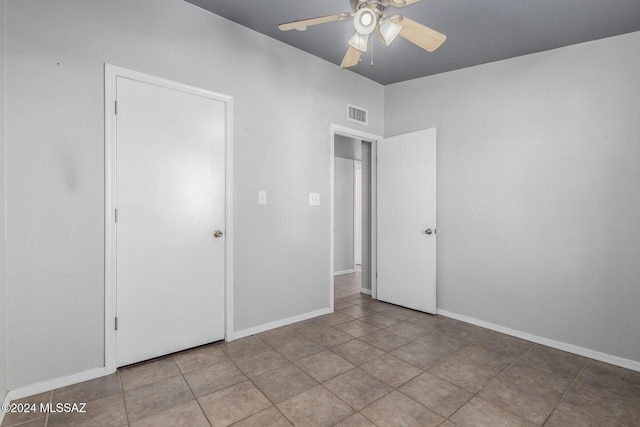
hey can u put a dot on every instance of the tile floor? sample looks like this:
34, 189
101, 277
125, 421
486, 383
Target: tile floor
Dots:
367, 364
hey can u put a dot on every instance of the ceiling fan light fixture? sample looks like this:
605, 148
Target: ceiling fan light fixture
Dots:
389, 30
365, 21
359, 41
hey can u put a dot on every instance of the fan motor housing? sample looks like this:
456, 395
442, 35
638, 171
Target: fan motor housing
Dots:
378, 5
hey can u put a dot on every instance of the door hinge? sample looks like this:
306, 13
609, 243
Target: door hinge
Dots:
116, 107
116, 323
116, 215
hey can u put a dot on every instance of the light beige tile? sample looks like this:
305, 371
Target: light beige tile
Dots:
270, 417
357, 388
384, 340
315, 407
298, 348
282, 383
278, 335
39, 422
465, 332
356, 420
533, 403
325, 365
213, 378
391, 370
107, 412
329, 336
605, 404
88, 390
254, 364
157, 397
438, 395
396, 409
199, 358
407, 330
251, 344
332, 319
356, 351
504, 344
148, 373
233, 404
380, 320
472, 378
400, 313
185, 415
356, 312
482, 357
480, 413
555, 361
621, 381
12, 418
568, 415
421, 355
356, 328
535, 378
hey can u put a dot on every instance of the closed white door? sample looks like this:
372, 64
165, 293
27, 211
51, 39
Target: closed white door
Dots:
170, 199
407, 220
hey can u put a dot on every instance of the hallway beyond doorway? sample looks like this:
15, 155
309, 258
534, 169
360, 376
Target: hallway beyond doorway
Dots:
348, 284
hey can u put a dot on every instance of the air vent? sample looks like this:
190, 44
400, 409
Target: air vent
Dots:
357, 114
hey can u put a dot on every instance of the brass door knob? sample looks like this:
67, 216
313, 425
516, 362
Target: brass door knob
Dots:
429, 231
218, 234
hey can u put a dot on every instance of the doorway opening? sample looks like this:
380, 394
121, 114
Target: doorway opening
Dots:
353, 212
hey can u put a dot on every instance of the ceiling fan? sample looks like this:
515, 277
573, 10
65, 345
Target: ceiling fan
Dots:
368, 16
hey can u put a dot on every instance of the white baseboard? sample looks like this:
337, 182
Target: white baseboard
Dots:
365, 291
53, 384
279, 323
340, 273
569, 348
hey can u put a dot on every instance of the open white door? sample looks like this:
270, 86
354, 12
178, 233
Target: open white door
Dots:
407, 220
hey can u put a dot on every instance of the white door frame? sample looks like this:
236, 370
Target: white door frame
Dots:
373, 139
111, 74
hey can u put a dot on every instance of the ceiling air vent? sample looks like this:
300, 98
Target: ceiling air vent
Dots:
357, 114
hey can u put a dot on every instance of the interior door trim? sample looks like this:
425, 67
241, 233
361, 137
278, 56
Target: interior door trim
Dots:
111, 74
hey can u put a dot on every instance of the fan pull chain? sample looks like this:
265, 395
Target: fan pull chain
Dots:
371, 38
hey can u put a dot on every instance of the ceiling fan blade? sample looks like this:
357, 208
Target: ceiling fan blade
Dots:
304, 23
405, 3
420, 35
351, 58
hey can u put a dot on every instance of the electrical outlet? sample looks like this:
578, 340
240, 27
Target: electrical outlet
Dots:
262, 197
314, 199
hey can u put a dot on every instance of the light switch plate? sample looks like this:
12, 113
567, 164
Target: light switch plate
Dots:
262, 197
314, 199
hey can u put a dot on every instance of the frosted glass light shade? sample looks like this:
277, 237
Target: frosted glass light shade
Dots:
365, 21
359, 41
389, 30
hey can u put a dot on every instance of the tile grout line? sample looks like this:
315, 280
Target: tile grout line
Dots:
565, 392
191, 390
492, 380
124, 402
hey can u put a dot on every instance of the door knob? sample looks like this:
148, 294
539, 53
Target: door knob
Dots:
217, 234
429, 231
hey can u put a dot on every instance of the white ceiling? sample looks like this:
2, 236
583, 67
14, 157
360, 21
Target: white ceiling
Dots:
478, 31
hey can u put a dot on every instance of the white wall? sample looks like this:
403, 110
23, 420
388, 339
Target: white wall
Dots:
538, 197
284, 100
343, 255
3, 329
